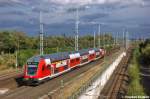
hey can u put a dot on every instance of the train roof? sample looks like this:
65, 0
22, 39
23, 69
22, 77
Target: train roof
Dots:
57, 56
96, 49
34, 59
83, 51
53, 57
60, 56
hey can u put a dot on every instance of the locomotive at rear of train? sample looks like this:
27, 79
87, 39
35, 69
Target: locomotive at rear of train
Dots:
40, 68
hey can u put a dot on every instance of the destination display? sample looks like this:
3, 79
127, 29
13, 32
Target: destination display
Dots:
32, 63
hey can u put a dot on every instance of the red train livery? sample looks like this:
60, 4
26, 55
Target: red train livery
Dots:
40, 68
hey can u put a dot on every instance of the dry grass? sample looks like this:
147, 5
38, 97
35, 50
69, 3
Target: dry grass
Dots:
75, 84
7, 62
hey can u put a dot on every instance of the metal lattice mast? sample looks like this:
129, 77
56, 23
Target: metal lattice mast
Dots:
94, 40
114, 38
104, 39
99, 31
75, 42
41, 35
77, 30
123, 37
127, 40
117, 39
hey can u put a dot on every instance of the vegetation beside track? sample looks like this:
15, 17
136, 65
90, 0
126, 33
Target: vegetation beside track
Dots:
145, 53
135, 87
27, 46
6, 61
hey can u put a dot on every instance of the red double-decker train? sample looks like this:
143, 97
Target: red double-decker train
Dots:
41, 68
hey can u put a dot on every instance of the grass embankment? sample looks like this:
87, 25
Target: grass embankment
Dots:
135, 88
6, 61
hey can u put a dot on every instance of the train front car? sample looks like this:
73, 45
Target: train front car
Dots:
32, 71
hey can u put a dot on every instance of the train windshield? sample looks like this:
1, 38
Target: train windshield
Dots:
32, 68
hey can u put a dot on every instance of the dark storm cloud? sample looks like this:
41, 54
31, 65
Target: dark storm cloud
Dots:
12, 23
9, 3
20, 13
145, 25
37, 10
94, 16
72, 10
110, 6
146, 1
115, 21
25, 15
59, 25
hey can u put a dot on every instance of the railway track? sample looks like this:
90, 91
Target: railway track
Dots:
28, 92
10, 74
47, 86
113, 89
8, 80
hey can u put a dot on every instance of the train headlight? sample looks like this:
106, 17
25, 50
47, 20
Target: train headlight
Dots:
26, 78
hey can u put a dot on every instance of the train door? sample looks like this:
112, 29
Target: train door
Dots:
52, 69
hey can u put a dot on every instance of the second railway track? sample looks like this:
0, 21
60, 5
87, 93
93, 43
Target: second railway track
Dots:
112, 89
8, 80
10, 74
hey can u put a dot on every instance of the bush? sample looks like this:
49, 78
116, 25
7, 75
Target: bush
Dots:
24, 55
7, 61
145, 53
135, 88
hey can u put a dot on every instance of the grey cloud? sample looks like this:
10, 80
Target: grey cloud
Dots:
10, 3
146, 25
20, 13
94, 16
73, 9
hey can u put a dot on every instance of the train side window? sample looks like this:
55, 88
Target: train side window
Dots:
77, 59
72, 61
49, 66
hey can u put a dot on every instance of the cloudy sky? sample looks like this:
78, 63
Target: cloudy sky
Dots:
59, 16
